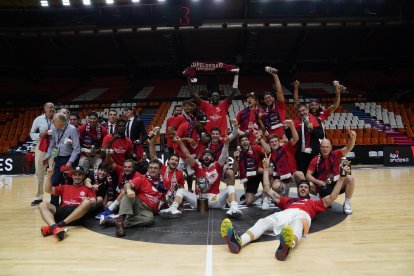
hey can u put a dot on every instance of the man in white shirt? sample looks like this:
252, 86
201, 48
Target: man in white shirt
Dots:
41, 133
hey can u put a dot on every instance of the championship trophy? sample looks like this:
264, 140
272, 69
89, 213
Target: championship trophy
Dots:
202, 203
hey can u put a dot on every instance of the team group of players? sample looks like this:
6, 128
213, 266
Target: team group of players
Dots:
271, 149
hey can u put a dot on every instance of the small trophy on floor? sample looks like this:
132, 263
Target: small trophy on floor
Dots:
202, 203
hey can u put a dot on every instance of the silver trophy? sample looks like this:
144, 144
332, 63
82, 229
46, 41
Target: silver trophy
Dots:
202, 203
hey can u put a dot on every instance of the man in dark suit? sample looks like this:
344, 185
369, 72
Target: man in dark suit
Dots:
135, 130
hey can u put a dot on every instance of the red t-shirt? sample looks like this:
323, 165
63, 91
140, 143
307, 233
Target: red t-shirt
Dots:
252, 123
310, 206
313, 164
217, 115
119, 170
169, 182
121, 147
178, 121
73, 195
290, 151
145, 192
182, 132
170, 121
92, 133
324, 114
281, 110
213, 173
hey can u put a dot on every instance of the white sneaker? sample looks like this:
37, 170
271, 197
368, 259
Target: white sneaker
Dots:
234, 211
170, 213
265, 203
347, 208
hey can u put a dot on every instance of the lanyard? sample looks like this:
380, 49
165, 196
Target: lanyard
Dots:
49, 122
61, 136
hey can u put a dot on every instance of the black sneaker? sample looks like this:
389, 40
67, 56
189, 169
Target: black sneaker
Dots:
36, 202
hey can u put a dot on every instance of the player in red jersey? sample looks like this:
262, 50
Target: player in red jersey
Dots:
77, 200
118, 145
323, 171
173, 178
216, 111
282, 160
178, 110
208, 172
249, 118
315, 105
290, 224
143, 199
275, 110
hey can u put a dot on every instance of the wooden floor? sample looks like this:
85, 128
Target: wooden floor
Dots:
377, 239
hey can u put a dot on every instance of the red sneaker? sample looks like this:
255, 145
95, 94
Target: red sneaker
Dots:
60, 233
46, 231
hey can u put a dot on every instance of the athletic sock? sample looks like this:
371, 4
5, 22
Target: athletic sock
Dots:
245, 239
347, 200
114, 205
61, 224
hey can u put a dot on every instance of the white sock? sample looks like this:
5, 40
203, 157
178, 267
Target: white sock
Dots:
245, 239
174, 206
347, 200
114, 205
234, 203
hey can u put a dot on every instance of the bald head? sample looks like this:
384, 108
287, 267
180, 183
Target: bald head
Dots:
49, 108
326, 147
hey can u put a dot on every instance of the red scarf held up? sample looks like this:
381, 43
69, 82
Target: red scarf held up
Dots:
197, 66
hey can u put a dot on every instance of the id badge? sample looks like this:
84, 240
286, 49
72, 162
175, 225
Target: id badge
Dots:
55, 152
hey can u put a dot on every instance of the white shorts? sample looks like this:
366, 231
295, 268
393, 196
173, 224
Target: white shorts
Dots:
280, 219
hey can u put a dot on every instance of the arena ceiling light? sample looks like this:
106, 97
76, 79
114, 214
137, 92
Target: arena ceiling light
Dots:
86, 2
135, 1
109, 2
66, 3
44, 3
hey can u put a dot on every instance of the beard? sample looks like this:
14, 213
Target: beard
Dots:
207, 163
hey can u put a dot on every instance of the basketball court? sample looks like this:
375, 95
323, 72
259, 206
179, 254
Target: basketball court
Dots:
376, 239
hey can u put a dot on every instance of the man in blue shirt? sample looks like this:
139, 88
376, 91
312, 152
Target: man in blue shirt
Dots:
64, 147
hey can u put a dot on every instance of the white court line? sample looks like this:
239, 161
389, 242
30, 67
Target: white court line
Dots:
209, 260
209, 249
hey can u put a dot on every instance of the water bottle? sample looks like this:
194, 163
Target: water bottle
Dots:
343, 164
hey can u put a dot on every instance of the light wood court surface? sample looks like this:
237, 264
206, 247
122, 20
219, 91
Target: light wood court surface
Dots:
378, 239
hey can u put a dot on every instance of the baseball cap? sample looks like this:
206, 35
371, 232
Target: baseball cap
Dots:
78, 169
202, 118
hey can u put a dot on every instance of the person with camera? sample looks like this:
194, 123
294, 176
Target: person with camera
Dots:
291, 224
77, 201
310, 131
324, 171
208, 173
